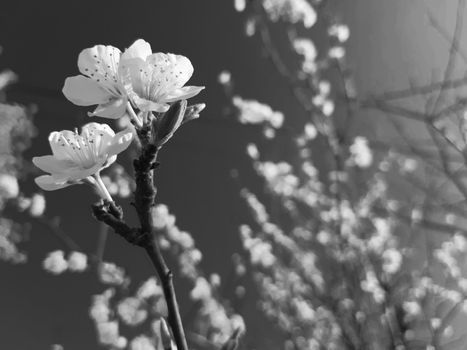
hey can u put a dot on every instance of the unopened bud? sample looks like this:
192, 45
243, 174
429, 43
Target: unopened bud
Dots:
165, 126
193, 111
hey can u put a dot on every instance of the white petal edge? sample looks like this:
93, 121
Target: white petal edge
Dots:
139, 49
48, 183
83, 91
183, 93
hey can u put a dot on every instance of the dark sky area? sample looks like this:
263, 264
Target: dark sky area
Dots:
41, 43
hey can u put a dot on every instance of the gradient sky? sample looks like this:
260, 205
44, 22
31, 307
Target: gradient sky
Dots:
390, 42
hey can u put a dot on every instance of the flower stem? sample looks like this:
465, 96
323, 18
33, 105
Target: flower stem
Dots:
133, 115
102, 189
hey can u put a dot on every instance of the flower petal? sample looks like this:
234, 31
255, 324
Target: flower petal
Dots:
83, 91
100, 63
170, 71
139, 49
113, 110
51, 164
183, 93
120, 142
48, 183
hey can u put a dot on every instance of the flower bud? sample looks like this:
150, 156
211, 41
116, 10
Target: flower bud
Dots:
165, 126
193, 111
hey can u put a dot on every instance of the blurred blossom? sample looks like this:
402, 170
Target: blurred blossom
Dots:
149, 289
142, 342
77, 262
202, 290
412, 309
340, 31
392, 261
131, 311
306, 48
55, 262
252, 151
361, 153
293, 11
337, 52
328, 108
9, 187
110, 273
310, 131
250, 27
100, 310
118, 182
224, 77
161, 217
240, 5
371, 285
37, 206
108, 332
254, 112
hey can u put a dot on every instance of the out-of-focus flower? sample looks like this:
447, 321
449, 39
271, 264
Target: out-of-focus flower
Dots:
224, 77
100, 309
392, 261
9, 187
254, 112
337, 52
101, 82
55, 262
154, 80
37, 206
202, 290
239, 5
108, 332
149, 289
77, 262
142, 342
293, 11
131, 311
362, 155
111, 274
307, 49
118, 182
252, 151
80, 156
340, 31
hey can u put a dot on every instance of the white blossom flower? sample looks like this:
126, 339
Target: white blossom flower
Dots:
77, 262
154, 80
55, 262
101, 82
78, 157
9, 187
